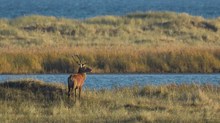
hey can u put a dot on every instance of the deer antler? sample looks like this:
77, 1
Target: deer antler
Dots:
78, 62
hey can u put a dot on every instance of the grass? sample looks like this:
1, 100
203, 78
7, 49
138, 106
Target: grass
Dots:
139, 28
142, 60
36, 101
158, 42
137, 42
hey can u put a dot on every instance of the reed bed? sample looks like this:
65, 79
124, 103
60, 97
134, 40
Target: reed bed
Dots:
113, 60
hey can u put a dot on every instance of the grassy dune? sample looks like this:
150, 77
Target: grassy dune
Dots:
140, 42
36, 101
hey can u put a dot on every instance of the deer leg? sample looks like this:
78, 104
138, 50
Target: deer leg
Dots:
70, 86
80, 89
69, 91
75, 93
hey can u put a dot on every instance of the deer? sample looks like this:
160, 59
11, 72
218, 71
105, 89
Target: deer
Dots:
76, 81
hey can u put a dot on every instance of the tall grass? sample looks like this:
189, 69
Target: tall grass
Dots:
36, 101
140, 42
108, 61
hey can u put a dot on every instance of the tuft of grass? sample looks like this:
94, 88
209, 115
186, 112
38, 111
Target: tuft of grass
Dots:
36, 101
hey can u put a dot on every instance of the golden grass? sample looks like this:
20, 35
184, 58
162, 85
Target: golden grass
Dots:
138, 42
129, 59
34, 101
141, 29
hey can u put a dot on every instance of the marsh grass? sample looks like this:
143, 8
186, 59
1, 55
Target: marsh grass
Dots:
137, 42
113, 60
36, 101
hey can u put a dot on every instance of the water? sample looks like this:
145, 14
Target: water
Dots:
98, 81
89, 8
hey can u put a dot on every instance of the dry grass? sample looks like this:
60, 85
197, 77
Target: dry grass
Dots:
129, 59
34, 101
140, 42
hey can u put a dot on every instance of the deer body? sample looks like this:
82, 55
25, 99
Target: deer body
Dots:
76, 81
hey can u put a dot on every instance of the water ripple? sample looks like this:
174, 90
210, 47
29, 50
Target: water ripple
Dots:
98, 81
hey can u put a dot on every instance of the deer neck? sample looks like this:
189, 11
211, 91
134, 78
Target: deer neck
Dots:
83, 75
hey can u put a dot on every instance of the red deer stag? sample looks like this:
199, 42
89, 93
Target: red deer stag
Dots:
76, 81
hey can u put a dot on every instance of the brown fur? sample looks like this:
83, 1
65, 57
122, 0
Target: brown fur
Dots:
76, 81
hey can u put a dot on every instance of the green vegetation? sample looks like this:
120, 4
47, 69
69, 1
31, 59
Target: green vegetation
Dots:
36, 101
140, 42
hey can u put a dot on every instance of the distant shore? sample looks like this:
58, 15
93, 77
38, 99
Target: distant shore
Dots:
153, 42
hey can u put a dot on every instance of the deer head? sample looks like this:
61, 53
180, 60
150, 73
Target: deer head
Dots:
82, 66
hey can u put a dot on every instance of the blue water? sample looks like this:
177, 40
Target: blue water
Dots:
98, 81
80, 9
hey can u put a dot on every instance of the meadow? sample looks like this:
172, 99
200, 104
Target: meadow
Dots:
152, 42
37, 101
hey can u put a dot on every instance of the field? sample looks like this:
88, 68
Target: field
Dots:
36, 101
153, 42
159, 42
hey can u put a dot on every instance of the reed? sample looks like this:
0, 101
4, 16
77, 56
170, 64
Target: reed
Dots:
115, 60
